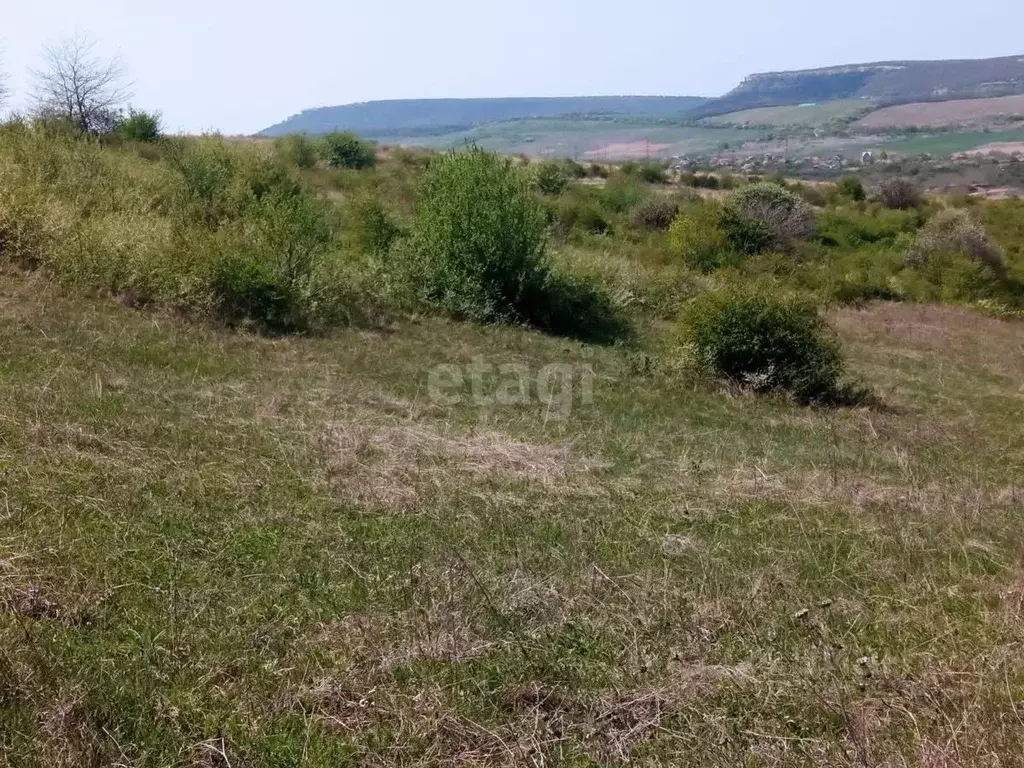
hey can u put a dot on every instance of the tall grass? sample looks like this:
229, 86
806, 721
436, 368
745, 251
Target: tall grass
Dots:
210, 228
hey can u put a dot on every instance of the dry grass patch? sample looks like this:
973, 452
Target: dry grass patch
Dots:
941, 333
401, 465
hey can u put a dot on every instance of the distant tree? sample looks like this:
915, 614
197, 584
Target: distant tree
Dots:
78, 86
899, 194
851, 187
4, 91
139, 126
346, 150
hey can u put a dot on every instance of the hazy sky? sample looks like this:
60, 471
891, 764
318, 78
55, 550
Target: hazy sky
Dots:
239, 66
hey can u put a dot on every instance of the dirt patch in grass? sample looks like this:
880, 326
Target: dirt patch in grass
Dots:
400, 465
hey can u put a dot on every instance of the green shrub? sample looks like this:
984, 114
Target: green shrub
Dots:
622, 193
580, 213
550, 177
650, 173
139, 126
344, 149
954, 230
246, 291
477, 247
746, 236
765, 342
697, 237
573, 169
851, 227
852, 188
297, 150
374, 228
899, 194
779, 211
654, 213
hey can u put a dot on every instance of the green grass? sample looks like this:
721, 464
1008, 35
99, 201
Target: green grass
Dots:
284, 551
578, 136
788, 117
220, 548
950, 143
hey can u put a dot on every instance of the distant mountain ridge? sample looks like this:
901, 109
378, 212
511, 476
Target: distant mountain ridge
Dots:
883, 83
420, 117
878, 84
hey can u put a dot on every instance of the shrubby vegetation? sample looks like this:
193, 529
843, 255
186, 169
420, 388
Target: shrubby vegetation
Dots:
346, 150
301, 234
779, 216
764, 341
899, 194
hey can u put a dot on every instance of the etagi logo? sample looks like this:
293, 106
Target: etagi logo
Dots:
557, 387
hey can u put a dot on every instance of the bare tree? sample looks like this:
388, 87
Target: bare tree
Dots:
77, 85
4, 90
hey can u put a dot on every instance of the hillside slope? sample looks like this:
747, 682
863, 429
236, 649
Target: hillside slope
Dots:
407, 117
889, 82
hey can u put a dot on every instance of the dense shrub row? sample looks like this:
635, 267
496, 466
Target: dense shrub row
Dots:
301, 234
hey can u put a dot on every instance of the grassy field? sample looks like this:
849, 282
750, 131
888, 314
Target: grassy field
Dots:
950, 143
398, 539
222, 549
811, 115
593, 138
936, 114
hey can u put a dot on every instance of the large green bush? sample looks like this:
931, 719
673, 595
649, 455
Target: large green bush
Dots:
346, 150
478, 243
296, 149
139, 126
550, 177
654, 213
778, 211
697, 237
954, 230
764, 341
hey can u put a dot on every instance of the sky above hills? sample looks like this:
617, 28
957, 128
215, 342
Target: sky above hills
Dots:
238, 67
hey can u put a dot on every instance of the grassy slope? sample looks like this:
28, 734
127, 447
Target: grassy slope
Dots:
818, 114
222, 549
569, 136
951, 143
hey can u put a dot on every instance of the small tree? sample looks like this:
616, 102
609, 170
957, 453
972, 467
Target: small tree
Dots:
899, 194
344, 149
550, 178
4, 91
477, 249
139, 126
851, 187
78, 86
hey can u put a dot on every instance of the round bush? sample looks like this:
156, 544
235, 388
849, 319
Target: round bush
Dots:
852, 188
654, 213
550, 177
139, 126
899, 194
955, 231
763, 341
478, 244
346, 150
782, 213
